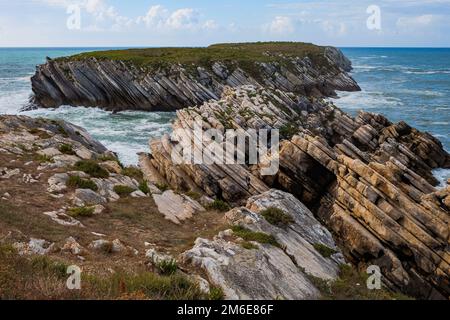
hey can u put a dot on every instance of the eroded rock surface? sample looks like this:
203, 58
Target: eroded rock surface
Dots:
368, 179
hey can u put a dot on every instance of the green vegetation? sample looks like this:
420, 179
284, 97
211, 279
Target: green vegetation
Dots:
41, 277
167, 267
162, 187
66, 149
123, 191
352, 285
81, 212
246, 55
92, 168
219, 205
248, 245
143, 186
50, 266
216, 293
42, 158
277, 217
133, 172
325, 251
249, 235
145, 285
288, 130
194, 195
80, 183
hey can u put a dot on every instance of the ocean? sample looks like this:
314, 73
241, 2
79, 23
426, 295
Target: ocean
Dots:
410, 84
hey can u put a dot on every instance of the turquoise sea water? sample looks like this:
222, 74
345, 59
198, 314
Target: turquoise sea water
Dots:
126, 133
403, 84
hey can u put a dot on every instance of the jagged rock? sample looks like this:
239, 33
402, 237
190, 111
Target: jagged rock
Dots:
72, 246
156, 257
176, 207
266, 273
6, 173
87, 197
138, 194
251, 273
116, 85
106, 186
57, 182
50, 152
62, 218
34, 246
112, 166
369, 180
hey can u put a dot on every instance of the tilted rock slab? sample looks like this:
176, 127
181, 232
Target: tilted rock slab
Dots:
369, 180
268, 272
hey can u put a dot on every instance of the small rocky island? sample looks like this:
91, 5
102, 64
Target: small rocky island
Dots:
351, 192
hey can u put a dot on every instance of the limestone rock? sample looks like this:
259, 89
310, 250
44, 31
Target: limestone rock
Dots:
87, 197
176, 207
34, 246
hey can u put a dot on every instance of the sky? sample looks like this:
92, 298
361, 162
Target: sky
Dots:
144, 23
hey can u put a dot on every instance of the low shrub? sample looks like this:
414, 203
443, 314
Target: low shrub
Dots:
123, 191
260, 237
325, 251
219, 205
66, 149
277, 217
92, 168
133, 172
81, 212
80, 183
162, 186
143, 186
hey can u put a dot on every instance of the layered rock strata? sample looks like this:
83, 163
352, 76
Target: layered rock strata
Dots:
124, 85
369, 180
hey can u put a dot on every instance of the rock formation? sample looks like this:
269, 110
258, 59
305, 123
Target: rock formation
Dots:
125, 85
369, 180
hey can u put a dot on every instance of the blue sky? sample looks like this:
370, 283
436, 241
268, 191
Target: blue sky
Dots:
202, 22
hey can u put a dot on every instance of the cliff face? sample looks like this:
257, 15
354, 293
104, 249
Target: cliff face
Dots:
120, 84
369, 180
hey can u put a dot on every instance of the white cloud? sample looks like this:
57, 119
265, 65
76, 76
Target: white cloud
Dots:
281, 25
210, 25
156, 17
186, 18
417, 22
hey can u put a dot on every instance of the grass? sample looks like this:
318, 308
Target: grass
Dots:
167, 267
146, 285
123, 191
66, 149
194, 195
216, 293
248, 245
352, 285
81, 212
41, 277
80, 183
42, 158
219, 205
277, 217
289, 130
259, 237
325, 251
143, 186
245, 55
133, 172
162, 187
92, 168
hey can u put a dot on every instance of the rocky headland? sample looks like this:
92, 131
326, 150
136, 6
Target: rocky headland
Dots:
350, 192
